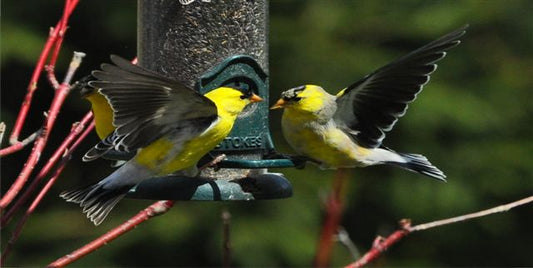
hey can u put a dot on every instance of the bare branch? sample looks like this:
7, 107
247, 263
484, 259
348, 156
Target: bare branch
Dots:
76, 130
51, 76
498, 209
66, 157
226, 238
74, 64
53, 40
381, 244
39, 145
334, 207
19, 145
158, 208
213, 162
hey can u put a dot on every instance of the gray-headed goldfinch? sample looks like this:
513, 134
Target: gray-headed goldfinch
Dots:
346, 130
169, 126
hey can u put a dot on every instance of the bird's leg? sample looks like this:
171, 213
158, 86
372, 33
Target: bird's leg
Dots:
298, 160
213, 163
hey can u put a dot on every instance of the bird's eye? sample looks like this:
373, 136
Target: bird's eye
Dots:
243, 97
293, 99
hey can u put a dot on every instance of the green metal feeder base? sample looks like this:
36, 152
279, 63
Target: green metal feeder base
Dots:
259, 187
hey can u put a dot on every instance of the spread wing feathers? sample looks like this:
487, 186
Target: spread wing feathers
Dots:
371, 106
147, 105
100, 148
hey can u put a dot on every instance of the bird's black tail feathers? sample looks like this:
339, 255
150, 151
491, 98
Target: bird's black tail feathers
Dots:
95, 200
420, 164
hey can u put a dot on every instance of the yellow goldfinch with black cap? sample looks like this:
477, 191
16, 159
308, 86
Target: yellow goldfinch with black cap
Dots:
347, 130
169, 126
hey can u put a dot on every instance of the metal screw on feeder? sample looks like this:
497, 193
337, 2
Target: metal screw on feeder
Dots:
207, 45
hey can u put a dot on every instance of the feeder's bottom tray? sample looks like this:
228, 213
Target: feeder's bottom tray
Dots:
260, 187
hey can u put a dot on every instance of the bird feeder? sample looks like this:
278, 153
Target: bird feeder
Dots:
205, 45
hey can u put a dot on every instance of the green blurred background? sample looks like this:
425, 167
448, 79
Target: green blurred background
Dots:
473, 120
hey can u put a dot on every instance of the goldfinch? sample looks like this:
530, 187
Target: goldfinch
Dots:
347, 130
169, 126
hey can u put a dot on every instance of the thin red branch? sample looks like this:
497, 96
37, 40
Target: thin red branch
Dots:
60, 34
66, 157
379, 246
19, 145
158, 208
60, 95
51, 76
382, 244
77, 128
226, 238
334, 208
32, 86
69, 7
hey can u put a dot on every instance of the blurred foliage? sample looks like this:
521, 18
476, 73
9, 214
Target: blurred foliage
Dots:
473, 120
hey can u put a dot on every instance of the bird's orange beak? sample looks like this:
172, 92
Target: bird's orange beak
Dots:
279, 104
255, 98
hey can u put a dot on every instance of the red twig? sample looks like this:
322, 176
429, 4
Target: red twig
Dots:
62, 29
60, 95
226, 239
158, 208
76, 130
66, 157
381, 244
334, 208
18, 145
51, 76
53, 37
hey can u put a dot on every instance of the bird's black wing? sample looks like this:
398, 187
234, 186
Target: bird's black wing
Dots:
371, 106
147, 106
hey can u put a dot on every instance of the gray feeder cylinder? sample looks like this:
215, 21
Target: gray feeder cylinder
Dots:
183, 41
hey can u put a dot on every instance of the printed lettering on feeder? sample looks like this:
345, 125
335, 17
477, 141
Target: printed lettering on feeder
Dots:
240, 143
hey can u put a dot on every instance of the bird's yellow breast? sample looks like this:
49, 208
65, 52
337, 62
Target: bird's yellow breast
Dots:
166, 155
162, 156
323, 142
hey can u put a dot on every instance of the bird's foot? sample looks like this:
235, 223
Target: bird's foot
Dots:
213, 163
298, 160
